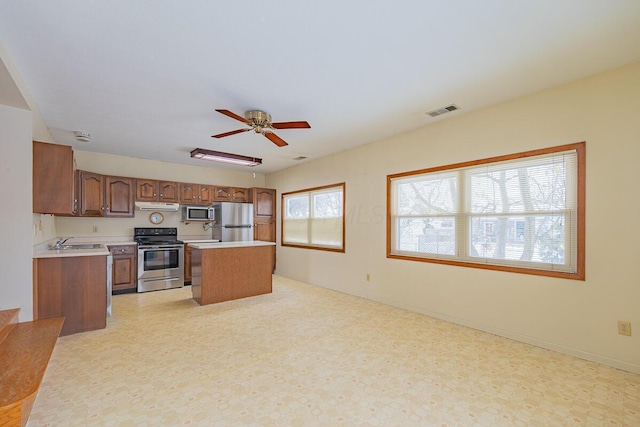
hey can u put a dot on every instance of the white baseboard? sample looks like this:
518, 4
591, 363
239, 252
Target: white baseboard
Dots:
593, 357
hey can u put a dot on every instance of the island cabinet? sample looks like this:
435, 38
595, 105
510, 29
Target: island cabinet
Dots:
53, 180
196, 194
151, 190
221, 271
124, 275
100, 195
187, 264
73, 287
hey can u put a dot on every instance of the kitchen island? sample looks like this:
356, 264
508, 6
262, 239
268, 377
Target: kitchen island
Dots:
230, 270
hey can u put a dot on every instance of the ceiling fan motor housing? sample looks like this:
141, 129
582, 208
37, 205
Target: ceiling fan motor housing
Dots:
258, 118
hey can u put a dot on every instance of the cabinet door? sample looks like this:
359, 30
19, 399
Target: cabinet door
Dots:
169, 192
146, 190
123, 267
264, 230
188, 193
53, 179
222, 194
239, 194
91, 194
205, 194
264, 200
187, 263
124, 272
119, 195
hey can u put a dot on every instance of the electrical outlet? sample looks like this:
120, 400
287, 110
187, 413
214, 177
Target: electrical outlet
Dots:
368, 277
95, 228
624, 328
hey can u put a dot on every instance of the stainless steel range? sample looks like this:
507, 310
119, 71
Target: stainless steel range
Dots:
160, 258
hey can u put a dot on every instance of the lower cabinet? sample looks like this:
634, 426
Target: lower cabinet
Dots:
124, 276
187, 263
73, 287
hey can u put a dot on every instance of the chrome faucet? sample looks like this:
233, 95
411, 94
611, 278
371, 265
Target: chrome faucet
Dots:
60, 242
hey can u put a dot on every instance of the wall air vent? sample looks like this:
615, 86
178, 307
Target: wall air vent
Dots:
299, 158
443, 110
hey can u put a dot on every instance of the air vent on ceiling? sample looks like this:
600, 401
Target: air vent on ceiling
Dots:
299, 158
443, 110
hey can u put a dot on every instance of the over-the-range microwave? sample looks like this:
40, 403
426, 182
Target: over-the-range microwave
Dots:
197, 213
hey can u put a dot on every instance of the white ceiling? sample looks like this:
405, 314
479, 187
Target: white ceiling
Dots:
144, 76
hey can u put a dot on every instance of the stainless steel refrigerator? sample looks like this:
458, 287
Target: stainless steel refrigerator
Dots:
233, 222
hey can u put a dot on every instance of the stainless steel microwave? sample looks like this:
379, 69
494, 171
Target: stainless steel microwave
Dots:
197, 213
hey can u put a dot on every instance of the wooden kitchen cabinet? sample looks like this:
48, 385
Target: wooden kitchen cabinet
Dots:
230, 194
151, 190
187, 263
264, 216
124, 275
100, 195
119, 196
73, 287
53, 180
147, 190
90, 195
196, 194
264, 201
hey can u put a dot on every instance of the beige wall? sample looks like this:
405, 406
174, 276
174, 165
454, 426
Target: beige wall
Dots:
141, 168
574, 317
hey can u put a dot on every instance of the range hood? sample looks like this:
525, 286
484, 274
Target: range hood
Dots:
157, 206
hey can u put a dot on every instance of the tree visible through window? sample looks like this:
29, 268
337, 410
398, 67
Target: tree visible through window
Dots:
314, 218
522, 212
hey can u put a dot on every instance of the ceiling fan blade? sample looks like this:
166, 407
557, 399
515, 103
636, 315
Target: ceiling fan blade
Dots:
234, 116
290, 125
275, 139
233, 132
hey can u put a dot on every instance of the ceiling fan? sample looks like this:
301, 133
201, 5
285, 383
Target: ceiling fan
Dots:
260, 122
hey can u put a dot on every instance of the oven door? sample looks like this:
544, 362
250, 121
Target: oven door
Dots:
160, 267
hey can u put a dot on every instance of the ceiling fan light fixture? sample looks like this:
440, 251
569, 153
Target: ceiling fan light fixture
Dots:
219, 156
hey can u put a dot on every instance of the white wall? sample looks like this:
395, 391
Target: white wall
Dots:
141, 168
15, 212
575, 317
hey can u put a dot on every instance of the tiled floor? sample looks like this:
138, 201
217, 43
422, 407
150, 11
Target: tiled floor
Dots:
307, 356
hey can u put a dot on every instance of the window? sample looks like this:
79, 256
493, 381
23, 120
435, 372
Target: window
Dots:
314, 218
522, 213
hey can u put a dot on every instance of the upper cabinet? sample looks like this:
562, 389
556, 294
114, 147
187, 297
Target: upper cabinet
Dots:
53, 183
264, 200
100, 195
90, 194
230, 194
151, 190
195, 194
118, 196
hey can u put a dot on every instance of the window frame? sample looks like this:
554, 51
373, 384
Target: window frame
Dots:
339, 186
579, 274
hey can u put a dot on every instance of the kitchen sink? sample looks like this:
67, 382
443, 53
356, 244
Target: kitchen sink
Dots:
80, 246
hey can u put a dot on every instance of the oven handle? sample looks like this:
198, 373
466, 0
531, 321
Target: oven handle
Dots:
144, 248
163, 279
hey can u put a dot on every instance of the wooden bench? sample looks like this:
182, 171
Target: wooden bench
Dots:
25, 349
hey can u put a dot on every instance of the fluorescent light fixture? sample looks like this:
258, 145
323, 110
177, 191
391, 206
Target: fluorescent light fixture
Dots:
219, 156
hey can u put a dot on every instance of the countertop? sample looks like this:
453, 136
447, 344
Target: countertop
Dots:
51, 253
222, 245
43, 251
